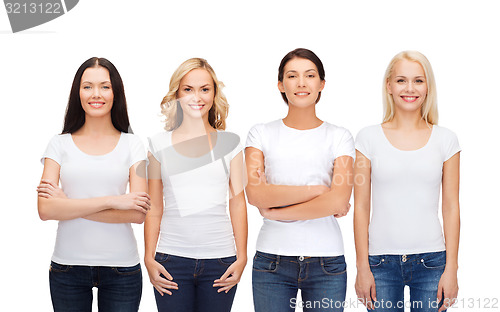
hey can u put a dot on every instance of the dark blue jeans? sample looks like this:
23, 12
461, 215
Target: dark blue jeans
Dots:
119, 288
195, 278
277, 279
421, 272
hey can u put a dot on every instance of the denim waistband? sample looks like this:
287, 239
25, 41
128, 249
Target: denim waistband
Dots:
307, 259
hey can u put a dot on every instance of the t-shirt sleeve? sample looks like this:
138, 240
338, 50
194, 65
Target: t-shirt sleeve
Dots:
345, 145
450, 145
137, 151
53, 150
362, 143
254, 138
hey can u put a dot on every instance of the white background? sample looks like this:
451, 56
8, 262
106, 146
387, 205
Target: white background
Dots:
244, 42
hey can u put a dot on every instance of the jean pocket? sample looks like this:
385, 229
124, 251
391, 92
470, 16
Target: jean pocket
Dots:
375, 261
128, 270
56, 267
265, 262
433, 260
161, 257
333, 265
227, 261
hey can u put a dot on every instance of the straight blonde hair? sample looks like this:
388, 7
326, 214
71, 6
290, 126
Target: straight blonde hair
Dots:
171, 108
429, 109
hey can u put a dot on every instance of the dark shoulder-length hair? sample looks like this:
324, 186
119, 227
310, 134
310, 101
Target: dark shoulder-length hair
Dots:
305, 54
75, 115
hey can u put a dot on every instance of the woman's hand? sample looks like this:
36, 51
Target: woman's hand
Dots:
161, 283
48, 189
447, 289
139, 201
232, 276
365, 288
343, 212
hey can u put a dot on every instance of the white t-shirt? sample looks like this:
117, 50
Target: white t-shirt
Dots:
195, 223
300, 157
84, 242
405, 191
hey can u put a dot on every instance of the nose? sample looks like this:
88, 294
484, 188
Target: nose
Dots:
196, 97
96, 93
301, 81
410, 87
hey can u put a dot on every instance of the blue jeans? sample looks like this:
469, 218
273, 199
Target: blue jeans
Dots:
421, 272
195, 278
119, 288
276, 280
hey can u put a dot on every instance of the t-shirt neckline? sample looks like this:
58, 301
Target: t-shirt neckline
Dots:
400, 150
293, 129
100, 155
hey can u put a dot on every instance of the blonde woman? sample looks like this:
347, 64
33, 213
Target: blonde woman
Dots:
193, 166
401, 166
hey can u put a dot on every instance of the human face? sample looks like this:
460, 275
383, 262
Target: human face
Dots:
407, 85
301, 82
196, 93
96, 93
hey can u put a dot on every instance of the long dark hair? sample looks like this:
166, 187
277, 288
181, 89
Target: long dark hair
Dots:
305, 54
75, 115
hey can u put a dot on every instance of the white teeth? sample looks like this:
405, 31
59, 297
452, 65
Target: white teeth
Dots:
302, 93
410, 98
96, 105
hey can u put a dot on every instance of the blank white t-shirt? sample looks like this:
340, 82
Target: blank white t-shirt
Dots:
84, 242
405, 191
195, 223
300, 157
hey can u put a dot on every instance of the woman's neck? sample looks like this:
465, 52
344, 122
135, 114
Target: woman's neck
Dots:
302, 118
97, 127
194, 127
407, 121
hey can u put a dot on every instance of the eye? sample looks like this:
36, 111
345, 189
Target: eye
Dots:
187, 89
106, 87
400, 81
205, 89
291, 76
419, 81
311, 76
86, 87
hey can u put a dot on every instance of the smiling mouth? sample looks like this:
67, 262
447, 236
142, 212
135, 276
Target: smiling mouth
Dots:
96, 104
196, 106
302, 93
409, 99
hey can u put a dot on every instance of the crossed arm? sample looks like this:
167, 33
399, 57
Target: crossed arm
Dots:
128, 208
301, 202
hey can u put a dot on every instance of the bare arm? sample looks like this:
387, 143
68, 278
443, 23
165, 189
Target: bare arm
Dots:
334, 202
365, 283
239, 222
152, 231
52, 207
264, 195
448, 285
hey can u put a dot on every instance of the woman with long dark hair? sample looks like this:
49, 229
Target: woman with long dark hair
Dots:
95, 158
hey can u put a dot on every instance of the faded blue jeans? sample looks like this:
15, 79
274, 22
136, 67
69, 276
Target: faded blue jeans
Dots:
277, 279
421, 272
119, 288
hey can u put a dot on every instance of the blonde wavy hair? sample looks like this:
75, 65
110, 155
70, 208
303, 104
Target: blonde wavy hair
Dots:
429, 107
171, 108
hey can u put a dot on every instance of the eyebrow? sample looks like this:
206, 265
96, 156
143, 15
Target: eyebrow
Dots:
107, 81
405, 76
294, 71
205, 85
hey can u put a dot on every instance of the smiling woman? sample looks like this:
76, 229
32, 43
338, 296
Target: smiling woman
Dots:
95, 158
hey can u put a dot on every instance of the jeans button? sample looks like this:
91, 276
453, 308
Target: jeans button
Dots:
404, 258
301, 258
